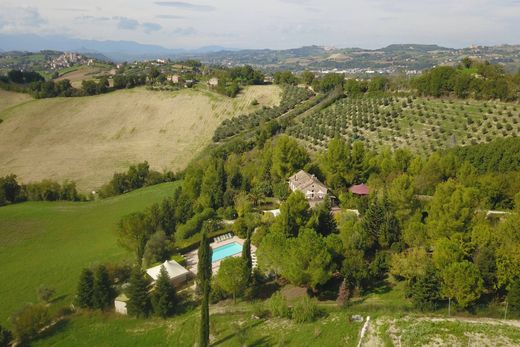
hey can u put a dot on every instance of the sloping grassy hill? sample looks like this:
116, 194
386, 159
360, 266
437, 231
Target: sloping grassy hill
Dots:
50, 242
11, 99
87, 139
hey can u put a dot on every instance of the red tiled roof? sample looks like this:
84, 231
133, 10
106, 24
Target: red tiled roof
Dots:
359, 189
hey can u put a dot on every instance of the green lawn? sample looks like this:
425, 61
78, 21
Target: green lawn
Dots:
50, 242
95, 329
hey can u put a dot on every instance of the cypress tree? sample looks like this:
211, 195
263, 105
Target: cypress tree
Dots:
246, 254
513, 297
163, 297
102, 290
204, 282
85, 293
138, 298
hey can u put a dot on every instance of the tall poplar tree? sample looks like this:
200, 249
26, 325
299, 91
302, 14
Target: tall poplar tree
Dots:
204, 283
246, 255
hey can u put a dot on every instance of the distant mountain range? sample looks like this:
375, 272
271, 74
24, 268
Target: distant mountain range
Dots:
395, 58
114, 50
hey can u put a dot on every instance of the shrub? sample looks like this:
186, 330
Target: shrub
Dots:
278, 306
45, 293
5, 337
29, 320
305, 310
259, 310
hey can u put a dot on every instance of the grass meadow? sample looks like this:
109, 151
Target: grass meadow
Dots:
51, 242
87, 139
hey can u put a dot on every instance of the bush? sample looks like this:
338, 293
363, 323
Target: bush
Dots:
305, 310
29, 320
259, 310
278, 306
45, 293
5, 337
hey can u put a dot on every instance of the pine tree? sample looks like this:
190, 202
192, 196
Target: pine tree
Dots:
85, 293
102, 290
163, 297
204, 282
138, 298
246, 254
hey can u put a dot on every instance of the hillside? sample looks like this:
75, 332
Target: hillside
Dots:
87, 139
421, 124
50, 242
10, 99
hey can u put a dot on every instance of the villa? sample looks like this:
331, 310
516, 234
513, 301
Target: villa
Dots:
314, 191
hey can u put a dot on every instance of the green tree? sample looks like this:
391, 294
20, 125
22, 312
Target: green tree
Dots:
134, 231
307, 77
308, 261
294, 214
139, 304
462, 281
5, 337
336, 163
288, 157
164, 295
322, 219
451, 210
246, 255
233, 276
10, 188
102, 289
513, 296
424, 290
85, 291
204, 271
157, 249
29, 320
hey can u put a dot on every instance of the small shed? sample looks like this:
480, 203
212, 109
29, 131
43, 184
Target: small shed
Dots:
120, 304
177, 273
359, 189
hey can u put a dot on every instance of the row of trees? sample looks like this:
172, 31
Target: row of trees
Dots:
11, 191
137, 176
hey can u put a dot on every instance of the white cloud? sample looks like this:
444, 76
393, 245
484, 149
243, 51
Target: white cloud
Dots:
272, 23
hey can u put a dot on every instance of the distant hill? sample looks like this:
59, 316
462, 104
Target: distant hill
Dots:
114, 50
414, 47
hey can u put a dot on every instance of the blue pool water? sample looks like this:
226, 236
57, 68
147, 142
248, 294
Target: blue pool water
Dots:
225, 251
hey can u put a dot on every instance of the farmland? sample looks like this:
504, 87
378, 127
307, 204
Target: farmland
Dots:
49, 243
87, 139
421, 124
77, 74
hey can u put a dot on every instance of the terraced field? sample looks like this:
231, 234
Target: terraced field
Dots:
421, 124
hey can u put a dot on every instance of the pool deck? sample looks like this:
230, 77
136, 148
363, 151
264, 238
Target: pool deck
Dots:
192, 258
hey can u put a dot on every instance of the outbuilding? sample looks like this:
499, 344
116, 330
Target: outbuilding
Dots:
120, 304
177, 273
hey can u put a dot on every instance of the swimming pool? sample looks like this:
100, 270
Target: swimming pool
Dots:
225, 251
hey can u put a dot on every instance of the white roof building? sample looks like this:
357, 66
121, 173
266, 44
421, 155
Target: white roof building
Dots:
177, 273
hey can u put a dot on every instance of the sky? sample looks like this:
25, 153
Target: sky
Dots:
275, 24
